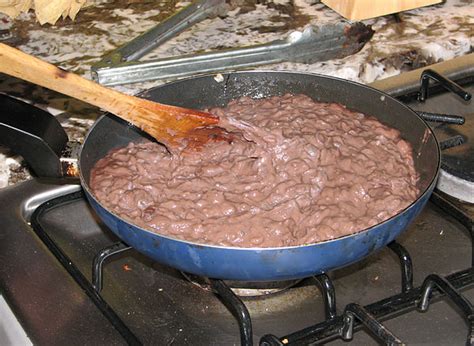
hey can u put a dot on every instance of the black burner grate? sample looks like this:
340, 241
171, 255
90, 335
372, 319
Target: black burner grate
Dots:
73, 270
371, 316
343, 326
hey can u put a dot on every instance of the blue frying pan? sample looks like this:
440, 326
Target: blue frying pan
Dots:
266, 264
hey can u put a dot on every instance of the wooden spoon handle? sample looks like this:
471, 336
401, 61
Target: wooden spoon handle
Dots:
21, 65
164, 122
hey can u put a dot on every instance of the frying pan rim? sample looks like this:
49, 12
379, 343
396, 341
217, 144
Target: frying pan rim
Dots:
427, 190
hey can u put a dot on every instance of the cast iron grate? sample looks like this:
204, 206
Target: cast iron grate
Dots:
353, 319
73, 270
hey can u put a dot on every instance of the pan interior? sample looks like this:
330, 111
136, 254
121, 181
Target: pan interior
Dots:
207, 91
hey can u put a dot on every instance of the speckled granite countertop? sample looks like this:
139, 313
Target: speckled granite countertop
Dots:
414, 39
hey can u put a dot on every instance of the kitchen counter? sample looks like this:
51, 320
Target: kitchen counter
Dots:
401, 43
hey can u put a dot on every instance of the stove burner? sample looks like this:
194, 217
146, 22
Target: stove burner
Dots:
457, 176
245, 288
457, 166
240, 288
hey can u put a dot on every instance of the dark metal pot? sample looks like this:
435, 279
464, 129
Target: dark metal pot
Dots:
266, 264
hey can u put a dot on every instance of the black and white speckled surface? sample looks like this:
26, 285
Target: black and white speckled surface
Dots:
422, 37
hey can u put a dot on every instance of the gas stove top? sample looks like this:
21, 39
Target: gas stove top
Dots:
68, 279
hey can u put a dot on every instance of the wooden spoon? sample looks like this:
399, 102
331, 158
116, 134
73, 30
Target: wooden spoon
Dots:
175, 127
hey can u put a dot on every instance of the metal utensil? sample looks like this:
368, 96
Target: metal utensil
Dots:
172, 26
311, 45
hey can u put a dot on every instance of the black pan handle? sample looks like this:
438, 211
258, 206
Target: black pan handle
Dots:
34, 134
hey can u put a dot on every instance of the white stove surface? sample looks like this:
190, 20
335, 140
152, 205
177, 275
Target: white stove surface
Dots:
11, 331
459, 188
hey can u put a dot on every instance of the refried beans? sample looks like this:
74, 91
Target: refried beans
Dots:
304, 172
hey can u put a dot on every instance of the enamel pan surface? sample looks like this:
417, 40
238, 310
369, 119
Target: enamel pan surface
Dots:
266, 264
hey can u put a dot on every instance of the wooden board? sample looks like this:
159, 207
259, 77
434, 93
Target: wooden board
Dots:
364, 9
47, 11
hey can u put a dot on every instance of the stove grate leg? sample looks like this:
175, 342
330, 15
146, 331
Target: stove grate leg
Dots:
448, 84
452, 293
99, 259
406, 264
329, 294
378, 329
238, 309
